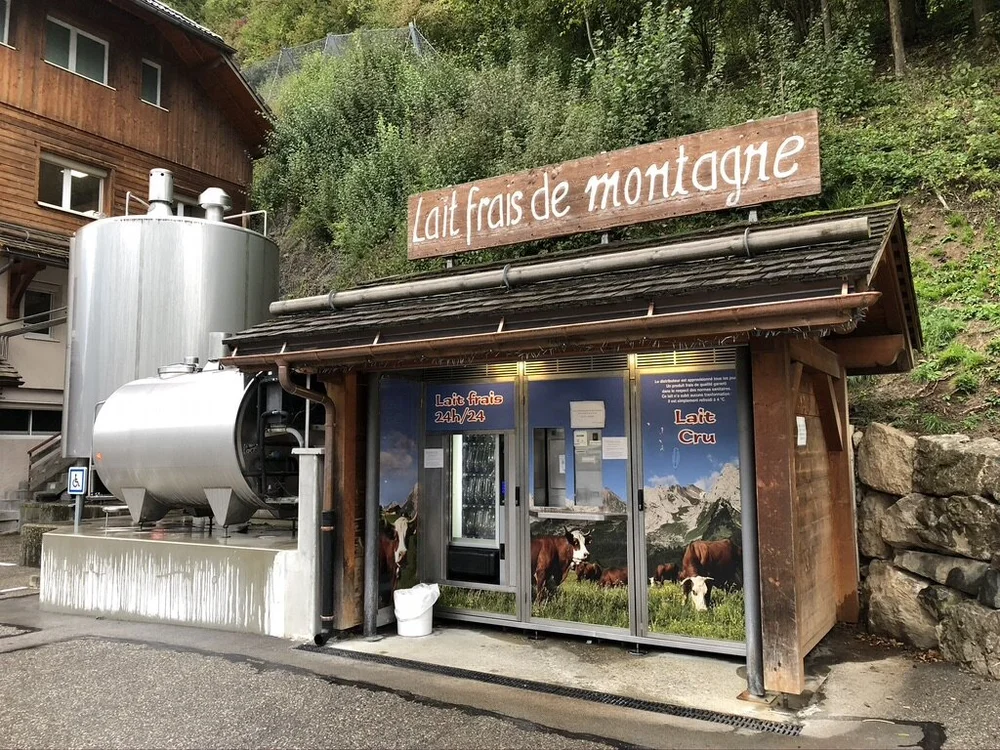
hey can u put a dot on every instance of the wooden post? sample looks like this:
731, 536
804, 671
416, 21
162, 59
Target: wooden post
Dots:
774, 425
845, 532
348, 572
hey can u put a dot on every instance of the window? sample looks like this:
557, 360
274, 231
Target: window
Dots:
190, 207
4, 21
151, 73
70, 186
30, 421
37, 305
76, 50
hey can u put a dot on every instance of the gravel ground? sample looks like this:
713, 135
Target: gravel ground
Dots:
125, 695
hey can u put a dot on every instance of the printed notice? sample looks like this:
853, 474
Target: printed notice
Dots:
615, 449
580, 439
562, 463
800, 431
433, 458
586, 415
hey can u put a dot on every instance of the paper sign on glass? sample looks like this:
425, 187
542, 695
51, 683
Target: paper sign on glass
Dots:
586, 415
433, 458
615, 448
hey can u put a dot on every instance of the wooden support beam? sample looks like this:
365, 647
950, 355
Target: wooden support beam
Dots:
868, 351
796, 381
815, 356
774, 418
348, 571
21, 274
843, 513
829, 412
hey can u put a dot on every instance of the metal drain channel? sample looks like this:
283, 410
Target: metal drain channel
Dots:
684, 712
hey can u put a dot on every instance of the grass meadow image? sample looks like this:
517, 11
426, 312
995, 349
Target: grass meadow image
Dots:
490, 602
669, 613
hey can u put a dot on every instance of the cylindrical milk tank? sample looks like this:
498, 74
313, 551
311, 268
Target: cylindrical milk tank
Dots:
147, 291
171, 442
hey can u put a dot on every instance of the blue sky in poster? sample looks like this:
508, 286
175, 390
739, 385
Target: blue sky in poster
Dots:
399, 428
548, 406
672, 453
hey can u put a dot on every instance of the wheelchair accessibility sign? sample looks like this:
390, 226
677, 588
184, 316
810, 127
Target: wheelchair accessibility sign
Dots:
77, 483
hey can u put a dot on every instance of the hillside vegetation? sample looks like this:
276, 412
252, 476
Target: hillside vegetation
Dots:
517, 85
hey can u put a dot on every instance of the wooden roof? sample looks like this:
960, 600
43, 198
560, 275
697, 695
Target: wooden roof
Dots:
22, 242
210, 62
856, 290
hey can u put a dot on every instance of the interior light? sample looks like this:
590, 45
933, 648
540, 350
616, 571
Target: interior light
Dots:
78, 174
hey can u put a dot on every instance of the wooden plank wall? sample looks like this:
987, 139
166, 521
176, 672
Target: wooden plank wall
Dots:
805, 504
190, 132
23, 137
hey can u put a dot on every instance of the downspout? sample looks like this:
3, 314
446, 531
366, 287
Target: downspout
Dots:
748, 504
327, 517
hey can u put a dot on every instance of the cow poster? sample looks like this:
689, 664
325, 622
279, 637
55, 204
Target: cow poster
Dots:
692, 519
399, 493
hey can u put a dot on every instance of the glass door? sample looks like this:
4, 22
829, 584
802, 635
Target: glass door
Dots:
577, 554
689, 521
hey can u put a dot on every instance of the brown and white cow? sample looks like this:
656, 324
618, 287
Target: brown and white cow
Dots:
588, 572
392, 544
614, 577
708, 565
663, 573
552, 557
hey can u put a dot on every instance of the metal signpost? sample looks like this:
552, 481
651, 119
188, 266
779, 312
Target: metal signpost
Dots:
76, 486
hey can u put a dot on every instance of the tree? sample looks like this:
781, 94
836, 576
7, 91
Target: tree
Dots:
896, 29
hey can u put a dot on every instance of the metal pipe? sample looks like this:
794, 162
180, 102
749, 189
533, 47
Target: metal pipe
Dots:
161, 193
327, 518
748, 243
748, 504
371, 510
248, 214
722, 320
129, 197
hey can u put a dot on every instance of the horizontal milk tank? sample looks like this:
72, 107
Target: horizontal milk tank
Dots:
182, 441
150, 290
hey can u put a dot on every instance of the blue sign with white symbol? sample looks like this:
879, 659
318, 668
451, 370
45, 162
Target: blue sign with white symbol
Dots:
77, 483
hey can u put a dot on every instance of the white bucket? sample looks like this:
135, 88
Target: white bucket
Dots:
415, 609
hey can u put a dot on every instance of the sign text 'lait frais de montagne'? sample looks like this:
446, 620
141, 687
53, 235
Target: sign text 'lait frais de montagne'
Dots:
745, 165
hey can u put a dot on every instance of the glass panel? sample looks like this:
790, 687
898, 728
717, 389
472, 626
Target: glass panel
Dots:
14, 420
50, 183
40, 304
692, 520
579, 523
46, 421
478, 600
150, 83
90, 56
399, 432
84, 192
57, 44
476, 488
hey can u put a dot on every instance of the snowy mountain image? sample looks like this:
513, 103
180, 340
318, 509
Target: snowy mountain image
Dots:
677, 515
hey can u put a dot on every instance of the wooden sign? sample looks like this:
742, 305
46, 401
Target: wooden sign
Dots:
745, 165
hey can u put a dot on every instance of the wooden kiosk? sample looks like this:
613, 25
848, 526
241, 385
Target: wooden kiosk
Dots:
763, 320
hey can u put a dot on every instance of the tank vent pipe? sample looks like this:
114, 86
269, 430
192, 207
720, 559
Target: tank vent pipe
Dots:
216, 202
161, 193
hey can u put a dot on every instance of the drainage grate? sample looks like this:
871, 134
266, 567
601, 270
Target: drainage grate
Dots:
733, 720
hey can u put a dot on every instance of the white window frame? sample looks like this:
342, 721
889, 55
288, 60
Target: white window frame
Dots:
183, 203
74, 32
68, 183
53, 291
159, 83
5, 41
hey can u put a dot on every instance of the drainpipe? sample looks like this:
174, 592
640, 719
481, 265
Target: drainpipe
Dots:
748, 503
372, 510
327, 517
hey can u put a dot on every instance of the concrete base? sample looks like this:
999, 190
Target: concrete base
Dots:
662, 676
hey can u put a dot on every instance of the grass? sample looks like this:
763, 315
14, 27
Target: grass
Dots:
494, 602
586, 602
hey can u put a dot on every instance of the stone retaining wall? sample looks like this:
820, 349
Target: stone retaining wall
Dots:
929, 539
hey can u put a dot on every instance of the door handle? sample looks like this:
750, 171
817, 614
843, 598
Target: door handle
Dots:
503, 551
503, 493
641, 503
517, 497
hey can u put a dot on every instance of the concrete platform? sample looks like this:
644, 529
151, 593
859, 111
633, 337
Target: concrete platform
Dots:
679, 678
179, 572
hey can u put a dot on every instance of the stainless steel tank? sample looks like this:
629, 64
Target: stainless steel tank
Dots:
181, 441
150, 290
